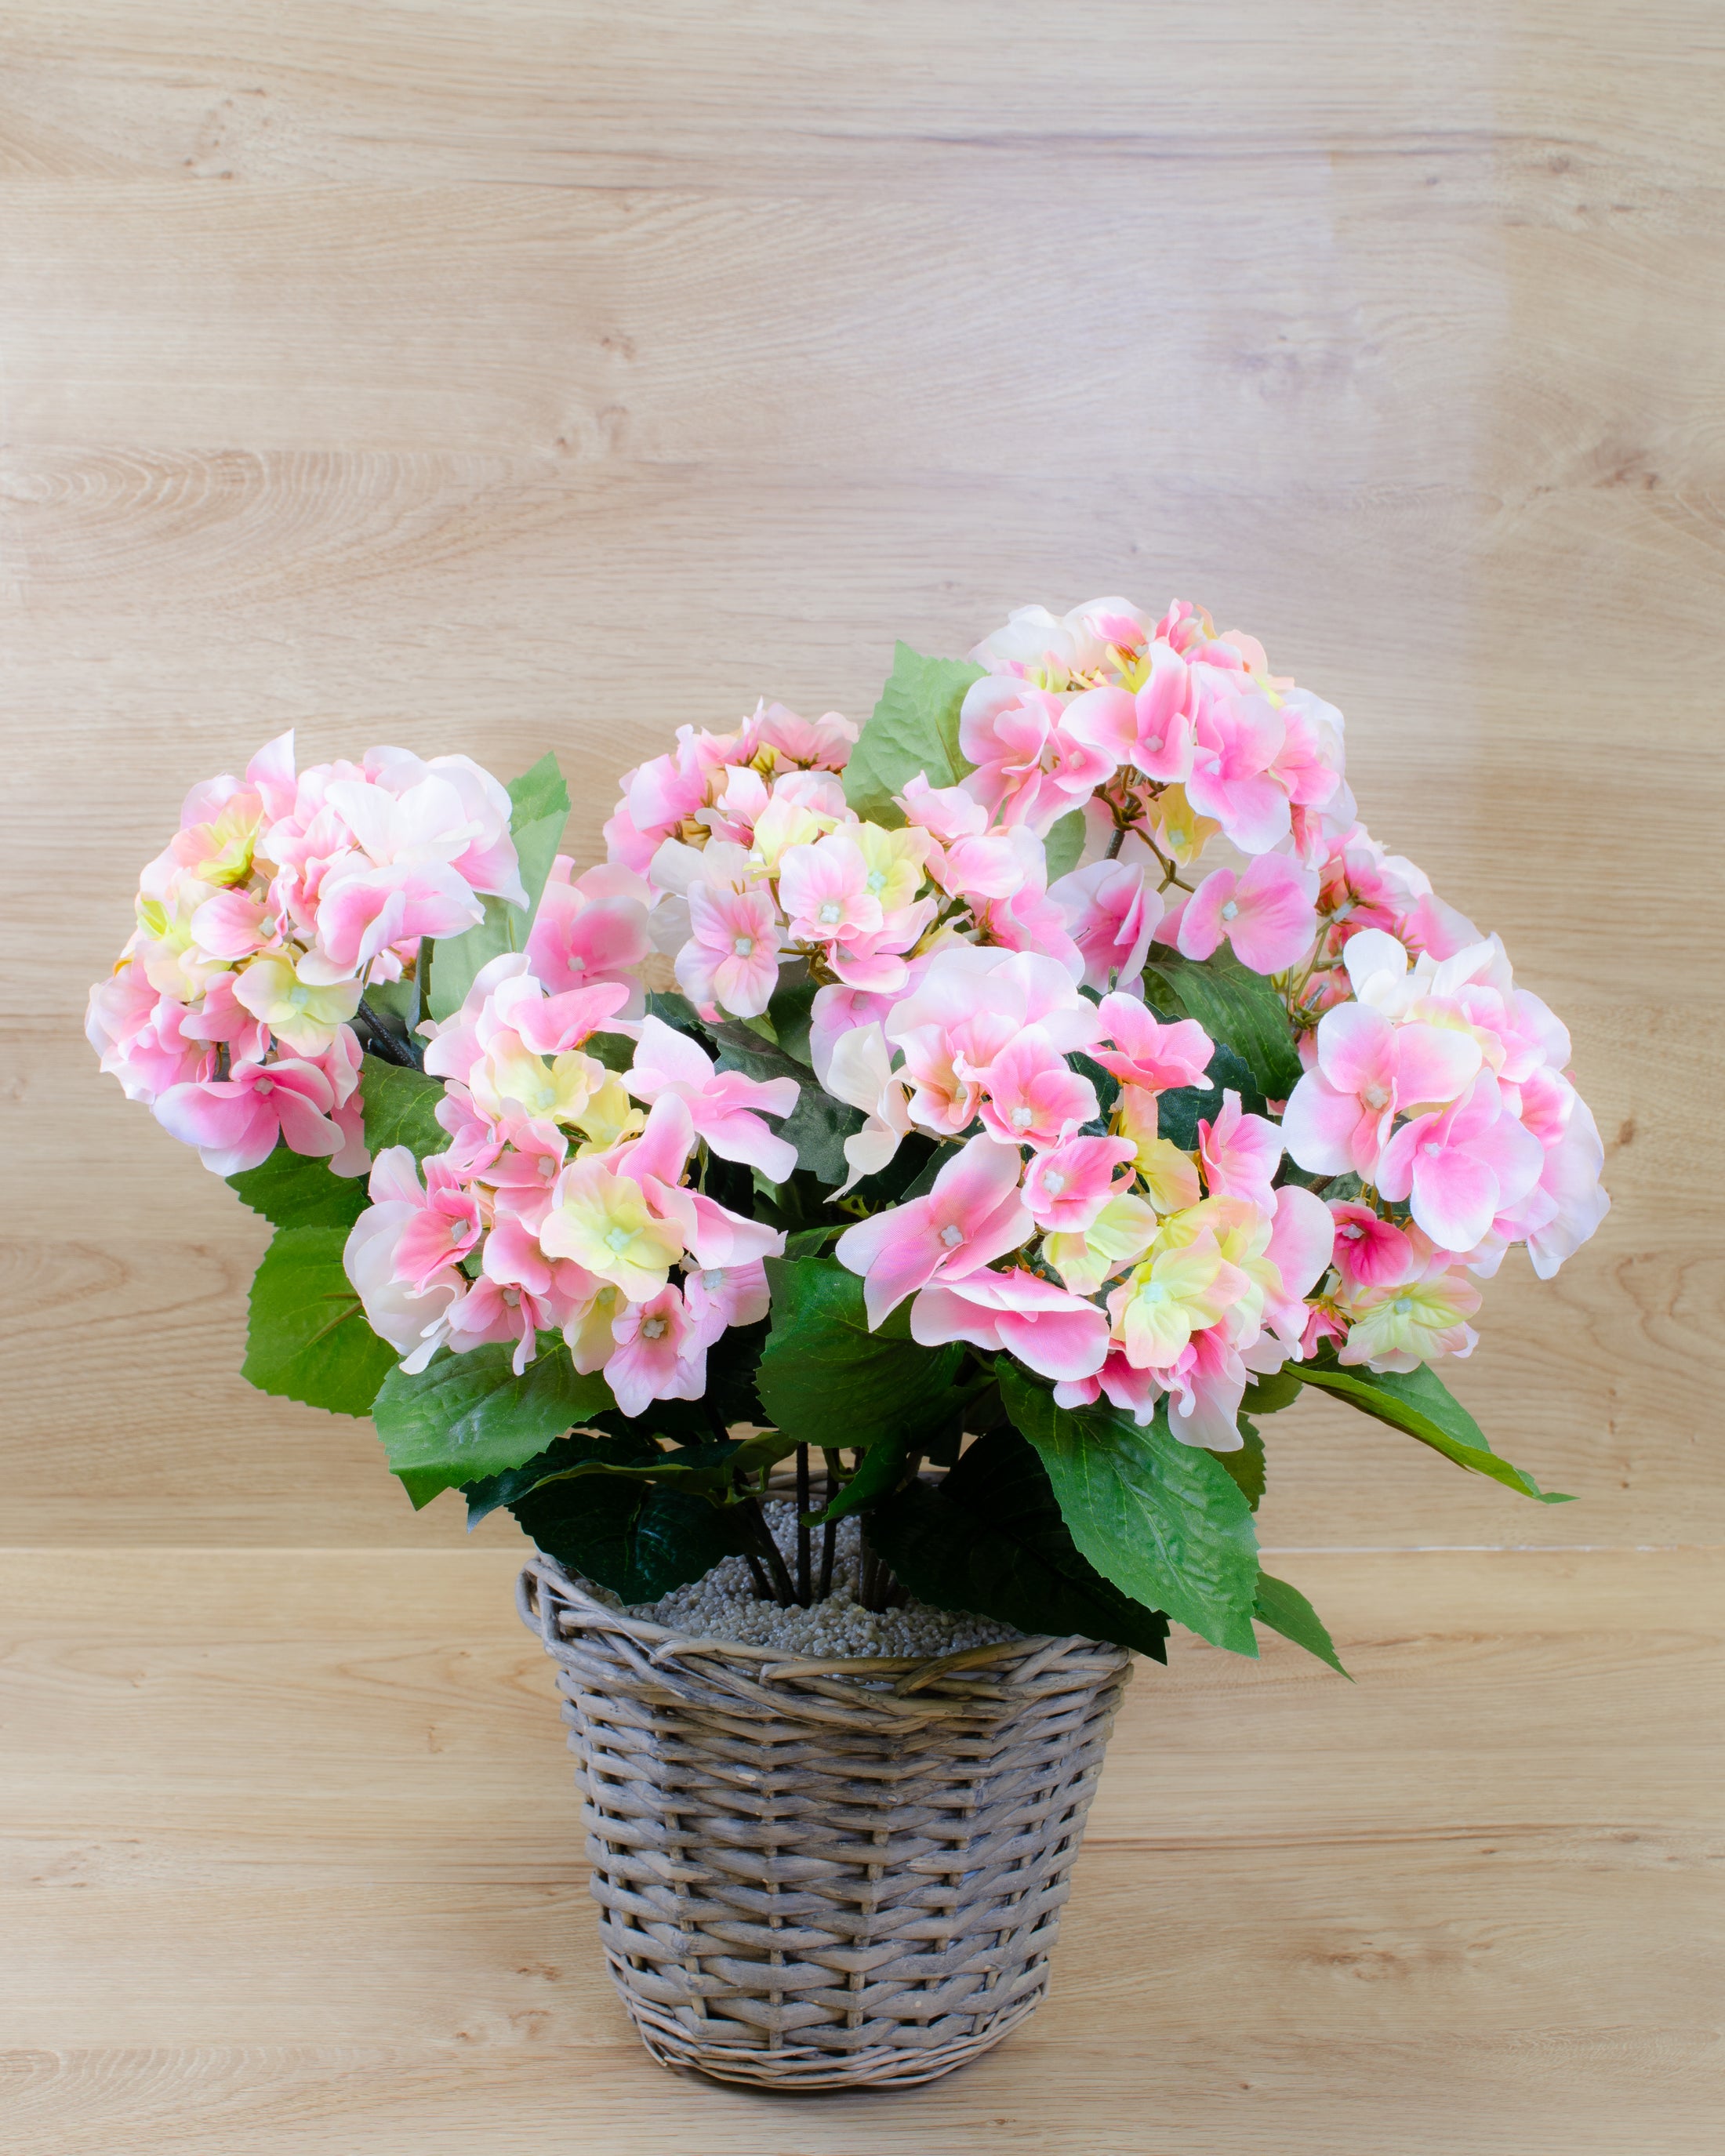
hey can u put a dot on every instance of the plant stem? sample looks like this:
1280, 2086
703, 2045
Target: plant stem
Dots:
805, 1585
1116, 843
784, 1593
830, 1533
763, 1593
383, 1043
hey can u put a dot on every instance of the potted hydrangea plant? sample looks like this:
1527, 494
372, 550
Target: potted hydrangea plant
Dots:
856, 1231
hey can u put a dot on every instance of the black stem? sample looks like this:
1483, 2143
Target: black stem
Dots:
1116, 843
784, 1591
763, 1593
830, 1533
805, 1584
383, 1043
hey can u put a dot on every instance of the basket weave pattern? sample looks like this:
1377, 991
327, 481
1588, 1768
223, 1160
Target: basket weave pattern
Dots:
808, 1880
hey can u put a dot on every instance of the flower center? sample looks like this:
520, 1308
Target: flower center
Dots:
458, 1228
1431, 1146
1214, 767
877, 881
654, 1329
1022, 1118
1401, 1306
265, 1086
547, 1166
1177, 838
1230, 911
743, 946
951, 1236
512, 1298
617, 1239
1375, 1096
1153, 743
1054, 1182
1152, 1291
1354, 1231
577, 965
830, 914
713, 1280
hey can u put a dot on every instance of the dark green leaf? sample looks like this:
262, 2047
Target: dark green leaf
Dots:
1420, 1403
817, 1126
539, 810
1179, 1111
294, 1190
1064, 845
1270, 1395
989, 1539
790, 1011
915, 727
875, 1477
615, 1050
1235, 1007
491, 1492
675, 1011
639, 1540
1245, 1468
464, 1417
401, 1109
1285, 1610
811, 1242
307, 1337
826, 1379
1162, 1520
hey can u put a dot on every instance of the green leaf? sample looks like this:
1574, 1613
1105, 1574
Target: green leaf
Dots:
1235, 1007
401, 1108
464, 1417
875, 1478
1162, 1520
1179, 1111
826, 1379
1270, 1395
307, 1338
915, 727
491, 1492
1064, 845
676, 1010
615, 1050
812, 1242
1285, 1610
639, 1540
294, 1190
990, 1538
1418, 1403
539, 810
1245, 1469
817, 1126
790, 1012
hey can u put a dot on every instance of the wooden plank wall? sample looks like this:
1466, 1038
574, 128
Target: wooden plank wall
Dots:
501, 374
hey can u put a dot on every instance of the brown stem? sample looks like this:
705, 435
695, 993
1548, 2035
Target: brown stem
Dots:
1116, 843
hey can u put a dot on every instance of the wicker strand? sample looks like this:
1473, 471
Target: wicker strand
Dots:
823, 1874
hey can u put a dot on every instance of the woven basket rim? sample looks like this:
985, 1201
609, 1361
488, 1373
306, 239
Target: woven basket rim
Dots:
661, 1644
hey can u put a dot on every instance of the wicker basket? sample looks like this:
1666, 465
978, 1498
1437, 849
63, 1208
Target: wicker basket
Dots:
825, 1875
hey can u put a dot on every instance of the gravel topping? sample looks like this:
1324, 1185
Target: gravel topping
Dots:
722, 1606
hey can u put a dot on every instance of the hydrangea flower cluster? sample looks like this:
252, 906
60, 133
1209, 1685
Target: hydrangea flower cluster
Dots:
1056, 1062
262, 922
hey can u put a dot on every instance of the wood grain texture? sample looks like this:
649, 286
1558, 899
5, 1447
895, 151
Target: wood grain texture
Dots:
501, 374
289, 1862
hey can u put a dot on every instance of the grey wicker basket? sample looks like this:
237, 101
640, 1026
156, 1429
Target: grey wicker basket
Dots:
825, 1875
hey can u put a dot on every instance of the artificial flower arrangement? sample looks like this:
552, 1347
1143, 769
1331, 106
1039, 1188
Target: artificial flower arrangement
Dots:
918, 1096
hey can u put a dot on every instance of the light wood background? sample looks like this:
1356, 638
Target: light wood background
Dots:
528, 373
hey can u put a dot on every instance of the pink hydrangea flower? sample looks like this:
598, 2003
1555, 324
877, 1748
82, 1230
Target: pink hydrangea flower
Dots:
1239, 1154
1110, 913
1370, 1251
1146, 1053
725, 1107
1033, 1097
661, 1353
824, 889
1267, 913
721, 1296
732, 959
1340, 1115
972, 1216
591, 928
1148, 729
233, 1121
1058, 1334
412, 1320
1236, 739
1068, 1185
1461, 1167
949, 813
1028, 769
